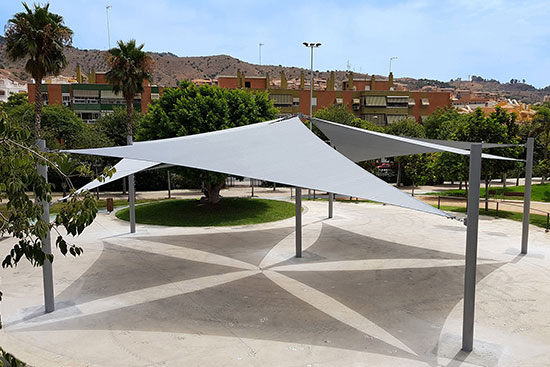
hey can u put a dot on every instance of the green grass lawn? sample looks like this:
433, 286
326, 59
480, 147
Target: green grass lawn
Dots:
193, 213
102, 204
535, 219
540, 192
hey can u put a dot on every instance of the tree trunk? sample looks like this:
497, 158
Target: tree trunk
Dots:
124, 189
504, 178
398, 173
37, 106
64, 187
213, 192
517, 178
486, 194
460, 185
129, 110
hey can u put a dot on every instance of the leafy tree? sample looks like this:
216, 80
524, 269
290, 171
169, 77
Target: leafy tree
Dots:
342, 115
39, 37
130, 68
190, 109
541, 127
498, 127
440, 123
405, 127
114, 125
21, 212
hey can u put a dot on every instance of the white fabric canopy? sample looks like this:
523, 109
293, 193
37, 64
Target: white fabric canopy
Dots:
362, 145
123, 168
283, 151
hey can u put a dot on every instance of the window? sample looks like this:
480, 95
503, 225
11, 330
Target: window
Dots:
339, 100
425, 102
281, 100
89, 117
44, 99
66, 99
378, 119
296, 101
247, 84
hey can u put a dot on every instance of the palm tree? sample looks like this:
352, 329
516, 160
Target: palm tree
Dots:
130, 67
39, 37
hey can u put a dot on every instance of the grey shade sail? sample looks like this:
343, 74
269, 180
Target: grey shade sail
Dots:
123, 168
362, 145
466, 144
283, 151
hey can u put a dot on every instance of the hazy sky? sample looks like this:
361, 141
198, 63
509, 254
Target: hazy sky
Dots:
433, 39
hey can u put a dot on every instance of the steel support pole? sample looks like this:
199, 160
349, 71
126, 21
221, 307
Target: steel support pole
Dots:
330, 204
527, 194
471, 248
169, 186
298, 221
131, 195
47, 269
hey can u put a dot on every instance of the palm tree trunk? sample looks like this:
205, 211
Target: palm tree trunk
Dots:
129, 110
37, 106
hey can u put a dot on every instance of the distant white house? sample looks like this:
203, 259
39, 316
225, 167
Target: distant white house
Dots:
9, 87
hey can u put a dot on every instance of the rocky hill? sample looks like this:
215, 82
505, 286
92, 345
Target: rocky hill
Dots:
170, 68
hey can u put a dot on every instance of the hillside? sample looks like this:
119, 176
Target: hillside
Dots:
170, 68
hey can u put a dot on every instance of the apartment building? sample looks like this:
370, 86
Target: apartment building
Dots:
9, 87
94, 98
378, 100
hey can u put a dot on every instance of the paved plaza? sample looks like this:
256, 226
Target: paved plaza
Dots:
377, 286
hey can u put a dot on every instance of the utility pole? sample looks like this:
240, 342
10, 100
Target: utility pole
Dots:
392, 58
107, 7
260, 50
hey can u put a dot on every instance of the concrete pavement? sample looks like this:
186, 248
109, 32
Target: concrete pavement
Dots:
377, 286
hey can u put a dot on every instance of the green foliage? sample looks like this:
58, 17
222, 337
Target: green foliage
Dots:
38, 36
342, 115
21, 212
113, 125
60, 127
8, 360
413, 167
194, 213
441, 123
534, 219
190, 109
406, 127
540, 192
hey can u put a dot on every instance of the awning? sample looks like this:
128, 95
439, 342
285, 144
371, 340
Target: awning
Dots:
362, 145
398, 99
356, 101
283, 151
425, 102
339, 100
411, 102
85, 93
375, 100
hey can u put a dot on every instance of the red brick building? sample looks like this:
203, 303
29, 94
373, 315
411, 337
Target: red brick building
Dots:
376, 100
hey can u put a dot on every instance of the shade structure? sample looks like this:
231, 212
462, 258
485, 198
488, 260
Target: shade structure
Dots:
281, 150
123, 168
362, 145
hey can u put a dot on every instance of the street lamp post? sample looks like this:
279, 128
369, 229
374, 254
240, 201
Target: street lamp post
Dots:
108, 30
311, 45
392, 58
260, 50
